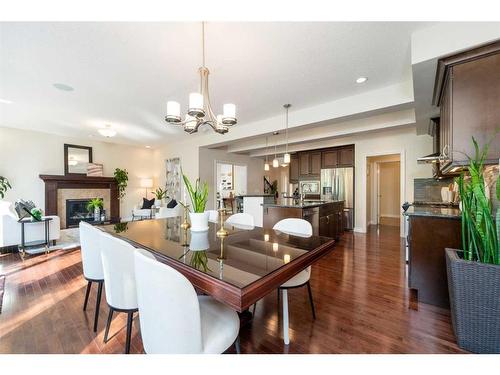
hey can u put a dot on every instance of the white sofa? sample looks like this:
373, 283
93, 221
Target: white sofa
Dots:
165, 212
10, 228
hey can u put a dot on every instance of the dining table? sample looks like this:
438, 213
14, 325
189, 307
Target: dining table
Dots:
237, 269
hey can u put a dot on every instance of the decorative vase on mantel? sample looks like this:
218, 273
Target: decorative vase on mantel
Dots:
199, 221
97, 214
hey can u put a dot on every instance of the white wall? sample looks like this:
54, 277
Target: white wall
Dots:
26, 154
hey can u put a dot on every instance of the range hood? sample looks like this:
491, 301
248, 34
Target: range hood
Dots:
433, 158
433, 131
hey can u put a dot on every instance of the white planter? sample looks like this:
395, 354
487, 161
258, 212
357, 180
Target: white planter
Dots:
157, 203
199, 241
199, 221
97, 214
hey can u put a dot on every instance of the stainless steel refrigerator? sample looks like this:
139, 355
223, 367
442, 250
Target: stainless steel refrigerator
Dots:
338, 184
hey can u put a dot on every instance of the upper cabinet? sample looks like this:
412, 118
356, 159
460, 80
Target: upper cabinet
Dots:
467, 91
308, 164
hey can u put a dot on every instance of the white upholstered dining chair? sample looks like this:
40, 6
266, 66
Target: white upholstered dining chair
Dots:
241, 220
119, 280
92, 264
173, 319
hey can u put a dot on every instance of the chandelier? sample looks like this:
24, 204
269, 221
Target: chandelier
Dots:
200, 110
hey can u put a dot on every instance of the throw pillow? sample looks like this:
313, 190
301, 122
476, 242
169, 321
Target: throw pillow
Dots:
147, 203
172, 203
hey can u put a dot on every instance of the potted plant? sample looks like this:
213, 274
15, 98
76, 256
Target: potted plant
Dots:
4, 186
160, 195
95, 205
199, 198
121, 177
474, 272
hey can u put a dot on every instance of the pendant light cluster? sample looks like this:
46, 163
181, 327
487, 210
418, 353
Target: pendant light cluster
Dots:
286, 155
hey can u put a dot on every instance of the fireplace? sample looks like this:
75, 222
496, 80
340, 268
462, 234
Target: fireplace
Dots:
76, 211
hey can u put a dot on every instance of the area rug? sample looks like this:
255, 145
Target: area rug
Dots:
2, 286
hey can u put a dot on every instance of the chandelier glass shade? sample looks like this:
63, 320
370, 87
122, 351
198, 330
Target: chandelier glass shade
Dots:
200, 110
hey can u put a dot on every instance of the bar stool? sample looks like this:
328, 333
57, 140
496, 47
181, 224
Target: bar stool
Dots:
92, 264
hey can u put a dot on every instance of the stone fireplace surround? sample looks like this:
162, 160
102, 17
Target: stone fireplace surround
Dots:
60, 188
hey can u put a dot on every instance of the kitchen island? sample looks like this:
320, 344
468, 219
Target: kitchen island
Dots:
326, 217
430, 230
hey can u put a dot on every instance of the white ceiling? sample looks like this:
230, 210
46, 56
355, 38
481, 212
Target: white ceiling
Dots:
123, 73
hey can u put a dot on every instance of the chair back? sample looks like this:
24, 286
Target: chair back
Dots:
119, 275
213, 216
91, 251
168, 307
243, 219
296, 227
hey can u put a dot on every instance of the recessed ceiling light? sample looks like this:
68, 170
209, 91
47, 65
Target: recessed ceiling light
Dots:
107, 132
63, 87
5, 101
148, 146
361, 80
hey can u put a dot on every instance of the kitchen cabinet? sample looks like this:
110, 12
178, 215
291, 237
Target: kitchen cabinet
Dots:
330, 219
329, 159
346, 157
294, 168
304, 164
315, 168
427, 239
467, 91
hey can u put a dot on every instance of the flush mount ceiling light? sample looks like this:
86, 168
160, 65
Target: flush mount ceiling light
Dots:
107, 132
5, 101
63, 87
361, 80
200, 110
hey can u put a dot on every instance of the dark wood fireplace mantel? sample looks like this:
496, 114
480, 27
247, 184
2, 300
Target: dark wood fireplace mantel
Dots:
55, 182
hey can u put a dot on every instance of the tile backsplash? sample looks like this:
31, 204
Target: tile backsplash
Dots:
429, 189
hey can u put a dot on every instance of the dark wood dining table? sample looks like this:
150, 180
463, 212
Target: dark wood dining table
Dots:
237, 270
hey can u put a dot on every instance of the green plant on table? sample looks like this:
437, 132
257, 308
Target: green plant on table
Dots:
121, 177
36, 213
94, 203
480, 233
160, 194
199, 260
4, 186
198, 194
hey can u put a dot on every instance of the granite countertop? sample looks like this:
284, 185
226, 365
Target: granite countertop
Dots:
296, 203
451, 213
255, 195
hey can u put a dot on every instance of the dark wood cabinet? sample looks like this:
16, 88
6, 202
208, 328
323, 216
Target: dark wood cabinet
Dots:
304, 163
467, 91
329, 159
308, 164
346, 157
428, 237
330, 218
315, 159
294, 168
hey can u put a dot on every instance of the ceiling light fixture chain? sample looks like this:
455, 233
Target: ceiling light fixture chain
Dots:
200, 110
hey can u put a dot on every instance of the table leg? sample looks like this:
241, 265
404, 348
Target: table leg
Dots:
286, 339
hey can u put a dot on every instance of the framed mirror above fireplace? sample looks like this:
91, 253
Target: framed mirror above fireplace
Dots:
76, 159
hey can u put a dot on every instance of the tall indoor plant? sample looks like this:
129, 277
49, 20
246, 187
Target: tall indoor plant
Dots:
199, 197
474, 272
121, 177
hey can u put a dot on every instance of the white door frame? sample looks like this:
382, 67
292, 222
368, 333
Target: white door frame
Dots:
402, 181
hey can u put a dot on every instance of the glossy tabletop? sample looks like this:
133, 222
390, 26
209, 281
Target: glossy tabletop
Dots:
238, 269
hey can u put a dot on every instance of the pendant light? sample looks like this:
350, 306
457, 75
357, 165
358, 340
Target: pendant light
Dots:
286, 157
276, 162
266, 164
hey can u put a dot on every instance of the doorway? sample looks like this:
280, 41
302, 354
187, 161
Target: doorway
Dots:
383, 190
231, 182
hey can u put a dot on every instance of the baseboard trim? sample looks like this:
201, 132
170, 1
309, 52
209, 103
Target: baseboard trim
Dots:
390, 216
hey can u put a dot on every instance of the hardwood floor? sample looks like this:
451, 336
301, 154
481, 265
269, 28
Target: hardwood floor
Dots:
360, 293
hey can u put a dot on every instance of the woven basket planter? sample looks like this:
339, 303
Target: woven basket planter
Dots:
475, 303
